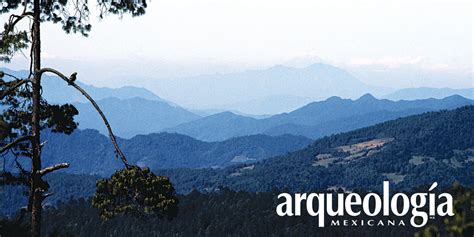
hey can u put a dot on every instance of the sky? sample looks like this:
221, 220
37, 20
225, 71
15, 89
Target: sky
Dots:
185, 37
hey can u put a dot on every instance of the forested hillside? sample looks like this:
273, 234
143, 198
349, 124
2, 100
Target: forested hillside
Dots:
411, 151
160, 151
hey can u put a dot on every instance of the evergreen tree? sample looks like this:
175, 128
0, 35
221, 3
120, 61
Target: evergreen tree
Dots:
26, 112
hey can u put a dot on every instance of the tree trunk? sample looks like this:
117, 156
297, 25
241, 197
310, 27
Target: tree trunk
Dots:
36, 191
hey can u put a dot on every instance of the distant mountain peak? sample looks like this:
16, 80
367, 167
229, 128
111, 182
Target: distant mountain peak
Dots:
456, 97
367, 97
280, 67
333, 99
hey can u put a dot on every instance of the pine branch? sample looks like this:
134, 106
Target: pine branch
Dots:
14, 19
12, 88
14, 143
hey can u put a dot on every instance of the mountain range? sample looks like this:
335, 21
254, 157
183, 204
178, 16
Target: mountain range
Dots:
314, 120
133, 111
56, 90
130, 110
428, 92
269, 105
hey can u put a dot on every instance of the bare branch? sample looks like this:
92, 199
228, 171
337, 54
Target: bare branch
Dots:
70, 80
14, 143
53, 168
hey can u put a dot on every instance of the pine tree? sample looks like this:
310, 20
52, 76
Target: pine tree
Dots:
26, 112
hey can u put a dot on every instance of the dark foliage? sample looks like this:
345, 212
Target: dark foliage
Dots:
135, 191
230, 213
